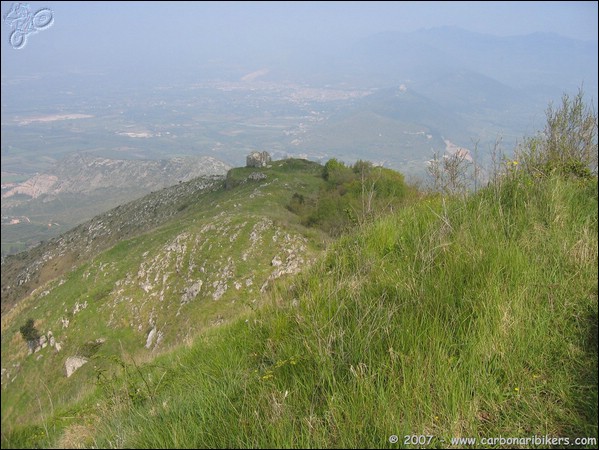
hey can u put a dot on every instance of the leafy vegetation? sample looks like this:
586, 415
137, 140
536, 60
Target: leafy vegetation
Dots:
567, 145
29, 332
352, 195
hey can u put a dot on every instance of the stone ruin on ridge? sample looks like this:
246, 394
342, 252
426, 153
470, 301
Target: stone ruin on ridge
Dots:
258, 159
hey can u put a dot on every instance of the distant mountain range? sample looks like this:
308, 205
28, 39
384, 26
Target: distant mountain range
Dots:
537, 62
82, 174
451, 84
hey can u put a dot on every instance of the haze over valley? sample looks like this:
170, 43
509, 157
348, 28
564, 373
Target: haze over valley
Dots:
393, 97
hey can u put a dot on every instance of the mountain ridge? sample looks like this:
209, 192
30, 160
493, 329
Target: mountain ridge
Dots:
80, 173
151, 274
81, 186
437, 314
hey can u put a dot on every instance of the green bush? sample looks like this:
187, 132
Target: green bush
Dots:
29, 332
352, 195
568, 144
336, 173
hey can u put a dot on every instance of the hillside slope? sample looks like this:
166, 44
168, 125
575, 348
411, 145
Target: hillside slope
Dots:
80, 187
149, 276
448, 319
24, 272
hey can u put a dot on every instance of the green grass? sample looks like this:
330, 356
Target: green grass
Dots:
452, 318
213, 229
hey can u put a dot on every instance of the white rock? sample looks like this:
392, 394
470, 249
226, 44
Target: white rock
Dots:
73, 363
150, 339
191, 292
276, 261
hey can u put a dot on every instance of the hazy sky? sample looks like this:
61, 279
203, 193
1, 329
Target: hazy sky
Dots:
111, 28
323, 19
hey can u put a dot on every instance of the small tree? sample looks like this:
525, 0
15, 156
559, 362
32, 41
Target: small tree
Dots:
30, 333
336, 173
451, 173
567, 145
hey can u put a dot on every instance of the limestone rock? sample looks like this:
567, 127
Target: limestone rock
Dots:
256, 176
150, 339
191, 292
51, 339
73, 363
276, 261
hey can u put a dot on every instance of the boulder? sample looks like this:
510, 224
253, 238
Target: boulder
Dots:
150, 339
73, 363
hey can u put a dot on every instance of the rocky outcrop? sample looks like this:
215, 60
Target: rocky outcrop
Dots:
154, 338
258, 159
191, 292
256, 176
73, 363
42, 342
20, 275
150, 339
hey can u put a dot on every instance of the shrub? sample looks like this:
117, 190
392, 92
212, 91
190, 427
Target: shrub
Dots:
568, 144
29, 332
337, 173
352, 195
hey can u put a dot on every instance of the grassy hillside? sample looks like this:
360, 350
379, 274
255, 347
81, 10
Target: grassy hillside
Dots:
451, 318
149, 276
204, 261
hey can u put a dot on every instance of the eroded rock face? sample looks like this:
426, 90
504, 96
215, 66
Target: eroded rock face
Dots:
73, 363
258, 159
